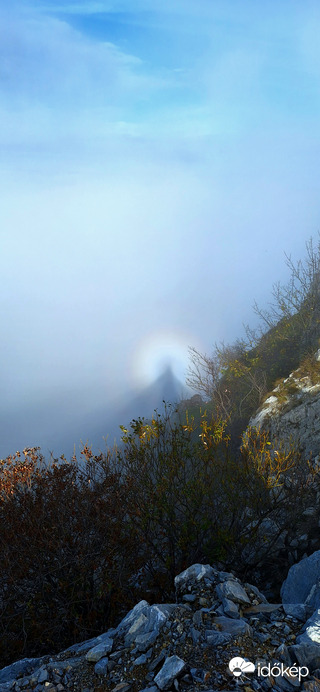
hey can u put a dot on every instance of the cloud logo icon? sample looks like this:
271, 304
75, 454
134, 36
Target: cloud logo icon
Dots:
238, 666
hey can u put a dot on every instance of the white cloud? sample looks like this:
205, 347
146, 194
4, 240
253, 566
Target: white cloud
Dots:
44, 60
60, 89
83, 8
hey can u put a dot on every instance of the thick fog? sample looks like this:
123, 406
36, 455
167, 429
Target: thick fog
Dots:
157, 160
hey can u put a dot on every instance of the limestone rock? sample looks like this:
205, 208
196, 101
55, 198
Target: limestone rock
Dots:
195, 573
19, 668
184, 645
302, 584
99, 651
306, 655
311, 630
292, 412
171, 669
233, 591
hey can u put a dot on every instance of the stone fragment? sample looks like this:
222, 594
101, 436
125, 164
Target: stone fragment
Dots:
257, 593
302, 582
235, 628
283, 683
144, 641
195, 634
146, 627
199, 675
215, 638
195, 573
233, 591
311, 630
133, 614
263, 637
189, 597
158, 660
230, 608
101, 667
171, 669
283, 655
26, 665
296, 610
94, 655
83, 647
43, 675
137, 626
306, 655
141, 660
61, 666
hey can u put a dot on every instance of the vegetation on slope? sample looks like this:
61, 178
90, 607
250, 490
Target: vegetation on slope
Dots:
81, 542
235, 379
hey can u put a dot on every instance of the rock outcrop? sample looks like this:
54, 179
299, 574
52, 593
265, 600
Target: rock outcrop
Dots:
292, 410
188, 645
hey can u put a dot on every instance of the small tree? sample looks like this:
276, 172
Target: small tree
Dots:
233, 380
236, 378
300, 296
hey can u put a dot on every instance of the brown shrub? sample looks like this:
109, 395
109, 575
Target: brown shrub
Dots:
64, 568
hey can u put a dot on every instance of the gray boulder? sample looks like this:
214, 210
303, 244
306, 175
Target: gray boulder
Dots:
296, 610
233, 591
260, 596
83, 647
171, 669
230, 608
101, 667
215, 638
311, 630
133, 614
306, 654
195, 573
99, 651
148, 622
302, 584
26, 665
235, 628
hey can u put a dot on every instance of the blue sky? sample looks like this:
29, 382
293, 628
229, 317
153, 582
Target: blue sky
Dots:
156, 160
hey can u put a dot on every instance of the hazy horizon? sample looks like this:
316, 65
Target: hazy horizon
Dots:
156, 163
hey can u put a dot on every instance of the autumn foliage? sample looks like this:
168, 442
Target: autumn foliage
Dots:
61, 551
81, 540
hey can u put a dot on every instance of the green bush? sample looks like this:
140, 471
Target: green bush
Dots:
198, 501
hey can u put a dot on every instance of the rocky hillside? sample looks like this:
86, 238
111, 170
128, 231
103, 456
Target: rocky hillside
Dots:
219, 634
192, 487
291, 412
